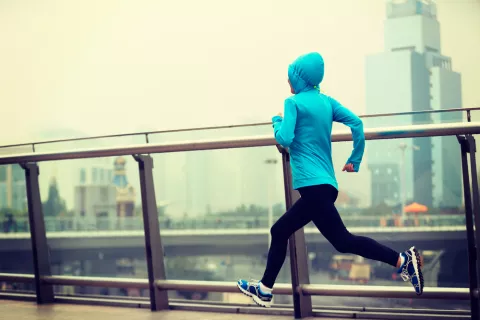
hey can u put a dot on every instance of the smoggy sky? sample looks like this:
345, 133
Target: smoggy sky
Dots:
92, 67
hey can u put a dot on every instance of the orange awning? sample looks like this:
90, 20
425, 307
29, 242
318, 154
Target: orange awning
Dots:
416, 207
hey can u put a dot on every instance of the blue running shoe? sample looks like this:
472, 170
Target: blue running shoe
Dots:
252, 289
411, 269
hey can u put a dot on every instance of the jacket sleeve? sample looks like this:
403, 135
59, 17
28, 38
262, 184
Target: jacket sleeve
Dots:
348, 118
284, 128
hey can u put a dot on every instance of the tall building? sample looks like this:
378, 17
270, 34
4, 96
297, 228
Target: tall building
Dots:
104, 195
412, 75
95, 197
13, 193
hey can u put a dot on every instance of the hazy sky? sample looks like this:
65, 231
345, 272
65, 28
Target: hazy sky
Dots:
113, 66
70, 68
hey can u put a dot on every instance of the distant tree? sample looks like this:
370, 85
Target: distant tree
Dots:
278, 209
55, 205
381, 209
9, 220
6, 212
161, 211
252, 211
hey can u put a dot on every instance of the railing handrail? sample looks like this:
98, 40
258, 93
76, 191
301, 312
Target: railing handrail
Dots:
147, 133
412, 131
221, 286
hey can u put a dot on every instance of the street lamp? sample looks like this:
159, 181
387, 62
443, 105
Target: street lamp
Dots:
270, 198
403, 146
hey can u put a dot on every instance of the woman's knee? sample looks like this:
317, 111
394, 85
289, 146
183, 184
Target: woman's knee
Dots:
278, 232
344, 243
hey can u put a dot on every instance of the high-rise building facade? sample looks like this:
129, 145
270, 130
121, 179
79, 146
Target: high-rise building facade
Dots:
412, 75
95, 197
13, 193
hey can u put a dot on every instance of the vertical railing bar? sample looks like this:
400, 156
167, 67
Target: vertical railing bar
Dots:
40, 250
153, 243
476, 208
302, 304
472, 259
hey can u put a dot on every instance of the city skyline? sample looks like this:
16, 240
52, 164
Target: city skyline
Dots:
135, 87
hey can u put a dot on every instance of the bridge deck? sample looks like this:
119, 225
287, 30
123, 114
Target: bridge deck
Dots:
32, 311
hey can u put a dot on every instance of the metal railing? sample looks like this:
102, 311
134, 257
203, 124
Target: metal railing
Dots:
219, 286
300, 288
146, 134
74, 223
414, 131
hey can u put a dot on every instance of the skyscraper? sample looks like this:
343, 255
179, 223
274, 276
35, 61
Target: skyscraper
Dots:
95, 197
412, 75
13, 192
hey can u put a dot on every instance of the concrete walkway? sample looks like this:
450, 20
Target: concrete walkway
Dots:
31, 311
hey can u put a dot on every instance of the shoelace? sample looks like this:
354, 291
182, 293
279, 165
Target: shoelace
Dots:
404, 274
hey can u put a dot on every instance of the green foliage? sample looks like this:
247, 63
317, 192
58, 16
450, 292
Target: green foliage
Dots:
5, 212
381, 209
55, 205
161, 211
252, 211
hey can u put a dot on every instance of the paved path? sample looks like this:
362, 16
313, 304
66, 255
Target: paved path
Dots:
32, 311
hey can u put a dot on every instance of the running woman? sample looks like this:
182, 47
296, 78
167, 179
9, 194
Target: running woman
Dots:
306, 130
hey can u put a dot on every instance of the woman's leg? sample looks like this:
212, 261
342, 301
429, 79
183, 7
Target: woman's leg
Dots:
291, 221
294, 219
330, 224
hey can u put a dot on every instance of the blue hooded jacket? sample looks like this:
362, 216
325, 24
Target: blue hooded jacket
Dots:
306, 127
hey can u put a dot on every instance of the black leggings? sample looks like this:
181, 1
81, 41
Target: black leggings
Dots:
317, 204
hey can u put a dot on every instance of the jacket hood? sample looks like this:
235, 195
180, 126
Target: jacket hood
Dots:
306, 72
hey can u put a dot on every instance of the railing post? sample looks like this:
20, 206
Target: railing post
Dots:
40, 251
153, 243
472, 250
298, 250
476, 201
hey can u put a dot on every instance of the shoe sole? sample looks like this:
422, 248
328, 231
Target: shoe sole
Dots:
417, 265
255, 298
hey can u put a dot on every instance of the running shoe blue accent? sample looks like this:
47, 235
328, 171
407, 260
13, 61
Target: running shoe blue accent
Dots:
252, 289
411, 269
